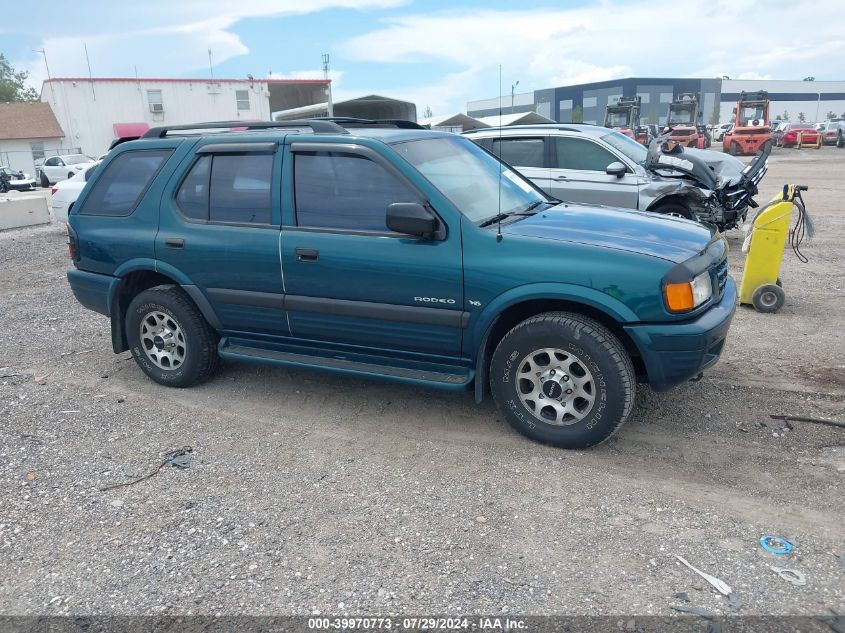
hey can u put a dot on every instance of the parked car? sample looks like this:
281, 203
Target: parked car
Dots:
834, 133
719, 131
15, 179
57, 168
65, 192
587, 163
390, 251
787, 136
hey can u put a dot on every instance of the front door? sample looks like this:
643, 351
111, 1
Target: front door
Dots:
348, 278
219, 227
579, 175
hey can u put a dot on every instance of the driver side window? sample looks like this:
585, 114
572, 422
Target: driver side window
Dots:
336, 190
576, 153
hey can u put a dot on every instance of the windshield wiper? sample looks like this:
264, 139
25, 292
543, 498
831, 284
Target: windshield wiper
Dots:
529, 210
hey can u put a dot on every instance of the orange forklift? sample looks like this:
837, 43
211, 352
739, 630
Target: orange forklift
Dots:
682, 121
624, 117
752, 130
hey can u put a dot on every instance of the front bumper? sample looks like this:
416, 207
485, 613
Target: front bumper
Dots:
675, 352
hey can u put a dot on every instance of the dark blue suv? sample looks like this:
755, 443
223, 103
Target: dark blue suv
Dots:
386, 250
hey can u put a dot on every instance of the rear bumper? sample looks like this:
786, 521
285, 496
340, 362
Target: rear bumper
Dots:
675, 352
92, 290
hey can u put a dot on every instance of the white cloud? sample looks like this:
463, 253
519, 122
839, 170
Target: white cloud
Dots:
166, 38
606, 40
334, 75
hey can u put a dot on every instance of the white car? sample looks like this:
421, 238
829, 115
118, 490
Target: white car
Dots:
720, 131
67, 191
58, 168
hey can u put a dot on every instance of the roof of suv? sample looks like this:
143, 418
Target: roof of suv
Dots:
586, 129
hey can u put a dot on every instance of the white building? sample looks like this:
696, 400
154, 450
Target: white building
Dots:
94, 111
29, 132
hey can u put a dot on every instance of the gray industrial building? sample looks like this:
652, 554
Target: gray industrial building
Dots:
717, 97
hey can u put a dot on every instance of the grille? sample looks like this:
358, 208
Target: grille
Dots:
721, 274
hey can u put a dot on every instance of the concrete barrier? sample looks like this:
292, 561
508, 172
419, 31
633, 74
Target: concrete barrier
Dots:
18, 210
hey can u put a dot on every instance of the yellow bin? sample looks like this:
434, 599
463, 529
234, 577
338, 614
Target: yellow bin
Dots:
764, 246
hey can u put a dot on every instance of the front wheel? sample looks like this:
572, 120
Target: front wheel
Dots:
170, 339
675, 209
563, 379
45, 182
769, 298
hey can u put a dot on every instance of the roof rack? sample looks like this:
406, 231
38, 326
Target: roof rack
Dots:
327, 125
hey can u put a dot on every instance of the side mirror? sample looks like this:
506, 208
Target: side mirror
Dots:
616, 169
411, 218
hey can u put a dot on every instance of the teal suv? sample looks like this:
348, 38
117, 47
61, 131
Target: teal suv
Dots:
385, 250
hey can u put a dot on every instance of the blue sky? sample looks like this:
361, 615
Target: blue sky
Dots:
435, 53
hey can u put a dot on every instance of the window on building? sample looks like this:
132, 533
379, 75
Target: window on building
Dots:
154, 99
566, 104
576, 153
666, 97
345, 191
645, 97
242, 97
520, 152
125, 180
589, 102
37, 148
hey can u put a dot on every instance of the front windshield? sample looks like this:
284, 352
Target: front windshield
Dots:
627, 146
75, 159
617, 119
749, 114
683, 117
469, 177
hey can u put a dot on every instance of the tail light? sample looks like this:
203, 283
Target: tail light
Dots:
72, 244
54, 190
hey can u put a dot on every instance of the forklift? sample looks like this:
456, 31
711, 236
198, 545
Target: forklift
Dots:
624, 117
683, 122
752, 128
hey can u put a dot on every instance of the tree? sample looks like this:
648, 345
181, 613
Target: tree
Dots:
778, 118
427, 113
809, 78
801, 117
786, 115
577, 114
830, 115
13, 83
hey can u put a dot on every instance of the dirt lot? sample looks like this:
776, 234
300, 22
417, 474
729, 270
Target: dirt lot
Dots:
315, 493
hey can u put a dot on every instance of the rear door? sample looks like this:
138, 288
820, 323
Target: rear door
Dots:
579, 174
219, 228
528, 154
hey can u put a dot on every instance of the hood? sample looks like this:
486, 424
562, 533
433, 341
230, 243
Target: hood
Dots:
669, 238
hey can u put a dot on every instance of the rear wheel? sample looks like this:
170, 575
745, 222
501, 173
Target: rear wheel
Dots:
170, 339
768, 298
45, 182
563, 379
734, 149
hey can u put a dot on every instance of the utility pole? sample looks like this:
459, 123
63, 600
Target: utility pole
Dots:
513, 88
90, 76
210, 66
329, 104
49, 79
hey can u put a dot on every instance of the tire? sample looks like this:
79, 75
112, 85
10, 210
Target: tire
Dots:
674, 209
191, 358
578, 352
840, 141
45, 182
768, 298
767, 146
734, 149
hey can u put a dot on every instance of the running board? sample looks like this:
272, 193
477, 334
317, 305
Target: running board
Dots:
438, 375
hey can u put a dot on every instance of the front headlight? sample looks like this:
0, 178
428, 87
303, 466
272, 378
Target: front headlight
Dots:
687, 295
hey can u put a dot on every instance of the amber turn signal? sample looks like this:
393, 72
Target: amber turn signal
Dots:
679, 297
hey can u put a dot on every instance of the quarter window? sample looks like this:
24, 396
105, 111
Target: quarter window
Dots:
576, 153
232, 188
345, 191
119, 188
520, 152
242, 97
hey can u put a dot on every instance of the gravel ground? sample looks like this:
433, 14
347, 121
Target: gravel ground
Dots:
315, 493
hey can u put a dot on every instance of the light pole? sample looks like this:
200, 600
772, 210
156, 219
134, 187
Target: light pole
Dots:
513, 88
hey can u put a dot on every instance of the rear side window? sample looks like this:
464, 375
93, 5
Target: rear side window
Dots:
520, 152
125, 179
231, 188
576, 153
345, 191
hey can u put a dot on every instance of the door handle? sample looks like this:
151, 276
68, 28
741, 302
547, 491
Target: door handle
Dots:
174, 242
307, 254
561, 178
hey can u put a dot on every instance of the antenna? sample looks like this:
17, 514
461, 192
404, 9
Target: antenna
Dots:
499, 214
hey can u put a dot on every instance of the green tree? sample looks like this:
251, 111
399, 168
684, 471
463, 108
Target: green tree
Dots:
714, 119
809, 78
801, 117
427, 113
13, 84
786, 115
778, 118
577, 114
830, 115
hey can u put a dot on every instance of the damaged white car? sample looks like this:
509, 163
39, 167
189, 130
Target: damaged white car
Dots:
592, 164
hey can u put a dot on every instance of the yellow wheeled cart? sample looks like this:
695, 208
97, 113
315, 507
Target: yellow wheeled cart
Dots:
764, 244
